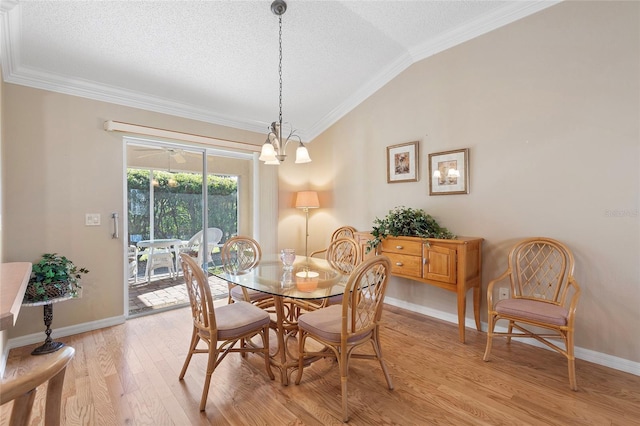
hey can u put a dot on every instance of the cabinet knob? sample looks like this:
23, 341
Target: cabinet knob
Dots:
399, 247
398, 263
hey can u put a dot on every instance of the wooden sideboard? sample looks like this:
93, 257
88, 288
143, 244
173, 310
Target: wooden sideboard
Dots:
455, 265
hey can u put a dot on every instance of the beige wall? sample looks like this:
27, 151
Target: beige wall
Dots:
549, 107
59, 164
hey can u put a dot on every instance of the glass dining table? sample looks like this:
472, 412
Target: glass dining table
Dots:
304, 287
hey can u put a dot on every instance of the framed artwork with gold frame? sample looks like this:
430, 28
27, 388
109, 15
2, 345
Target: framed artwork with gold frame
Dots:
402, 163
449, 172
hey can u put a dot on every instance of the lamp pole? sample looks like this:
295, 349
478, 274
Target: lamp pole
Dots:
306, 233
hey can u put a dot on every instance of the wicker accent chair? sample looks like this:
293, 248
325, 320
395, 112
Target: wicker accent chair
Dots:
342, 232
239, 254
221, 328
354, 323
22, 389
543, 294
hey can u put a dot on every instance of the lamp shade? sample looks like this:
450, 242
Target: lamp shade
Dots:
268, 153
307, 199
302, 155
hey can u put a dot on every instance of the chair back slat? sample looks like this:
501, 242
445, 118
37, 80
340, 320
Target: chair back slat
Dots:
343, 232
542, 268
200, 299
342, 254
364, 295
240, 253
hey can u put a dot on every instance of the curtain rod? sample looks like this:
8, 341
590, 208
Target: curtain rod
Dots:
118, 126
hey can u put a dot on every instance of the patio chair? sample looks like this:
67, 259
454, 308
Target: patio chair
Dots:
132, 258
160, 258
195, 248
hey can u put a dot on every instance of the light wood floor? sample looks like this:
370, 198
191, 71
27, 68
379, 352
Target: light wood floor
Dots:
128, 375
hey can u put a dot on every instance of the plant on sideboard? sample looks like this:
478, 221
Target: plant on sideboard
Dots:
405, 221
53, 276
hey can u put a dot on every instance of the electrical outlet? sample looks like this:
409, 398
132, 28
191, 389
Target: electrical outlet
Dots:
503, 293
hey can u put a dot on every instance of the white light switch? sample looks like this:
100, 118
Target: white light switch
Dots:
92, 219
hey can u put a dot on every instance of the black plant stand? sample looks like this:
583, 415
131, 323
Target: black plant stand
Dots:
49, 345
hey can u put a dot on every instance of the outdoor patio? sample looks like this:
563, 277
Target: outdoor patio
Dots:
164, 292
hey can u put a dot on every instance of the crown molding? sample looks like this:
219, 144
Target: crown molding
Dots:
447, 40
13, 73
55, 83
487, 23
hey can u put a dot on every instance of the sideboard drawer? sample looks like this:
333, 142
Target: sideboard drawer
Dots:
407, 265
401, 246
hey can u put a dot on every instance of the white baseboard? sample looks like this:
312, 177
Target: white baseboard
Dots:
585, 354
65, 331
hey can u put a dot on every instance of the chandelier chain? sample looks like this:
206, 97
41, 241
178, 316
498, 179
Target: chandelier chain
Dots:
280, 66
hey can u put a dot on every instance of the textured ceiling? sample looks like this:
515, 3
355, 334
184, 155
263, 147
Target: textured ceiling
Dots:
217, 61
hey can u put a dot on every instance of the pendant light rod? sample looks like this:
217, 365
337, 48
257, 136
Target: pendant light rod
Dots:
274, 148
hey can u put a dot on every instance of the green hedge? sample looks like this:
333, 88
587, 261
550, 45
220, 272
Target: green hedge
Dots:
178, 204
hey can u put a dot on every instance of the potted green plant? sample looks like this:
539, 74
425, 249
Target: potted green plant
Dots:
405, 221
53, 276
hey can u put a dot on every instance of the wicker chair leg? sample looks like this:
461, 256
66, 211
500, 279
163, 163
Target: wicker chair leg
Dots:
490, 327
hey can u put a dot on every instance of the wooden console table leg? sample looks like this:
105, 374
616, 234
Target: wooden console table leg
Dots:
49, 345
462, 305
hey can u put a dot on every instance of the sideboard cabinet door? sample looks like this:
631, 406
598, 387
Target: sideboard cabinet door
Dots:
440, 263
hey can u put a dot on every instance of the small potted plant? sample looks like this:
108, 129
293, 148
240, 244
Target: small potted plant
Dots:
53, 276
408, 222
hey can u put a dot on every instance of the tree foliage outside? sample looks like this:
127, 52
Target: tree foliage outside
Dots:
177, 206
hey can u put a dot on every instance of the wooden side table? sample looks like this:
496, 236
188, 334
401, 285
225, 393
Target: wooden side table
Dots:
49, 345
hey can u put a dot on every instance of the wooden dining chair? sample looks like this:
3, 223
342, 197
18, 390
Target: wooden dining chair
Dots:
224, 329
241, 254
22, 389
342, 232
543, 294
356, 322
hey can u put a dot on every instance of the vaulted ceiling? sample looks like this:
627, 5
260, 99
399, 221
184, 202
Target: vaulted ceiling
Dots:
217, 61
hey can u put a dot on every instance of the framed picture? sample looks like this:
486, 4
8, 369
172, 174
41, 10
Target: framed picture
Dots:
449, 172
402, 163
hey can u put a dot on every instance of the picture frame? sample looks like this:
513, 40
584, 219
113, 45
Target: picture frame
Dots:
403, 163
449, 172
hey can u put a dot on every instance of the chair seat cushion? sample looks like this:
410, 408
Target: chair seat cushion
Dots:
238, 319
238, 295
326, 323
533, 310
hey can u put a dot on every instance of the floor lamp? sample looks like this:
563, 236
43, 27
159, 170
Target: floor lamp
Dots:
306, 200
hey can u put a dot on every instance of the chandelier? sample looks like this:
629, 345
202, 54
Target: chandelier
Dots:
273, 149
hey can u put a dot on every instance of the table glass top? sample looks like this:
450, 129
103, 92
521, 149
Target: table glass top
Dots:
310, 278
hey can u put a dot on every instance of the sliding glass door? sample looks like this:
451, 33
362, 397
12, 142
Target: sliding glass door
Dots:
181, 199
